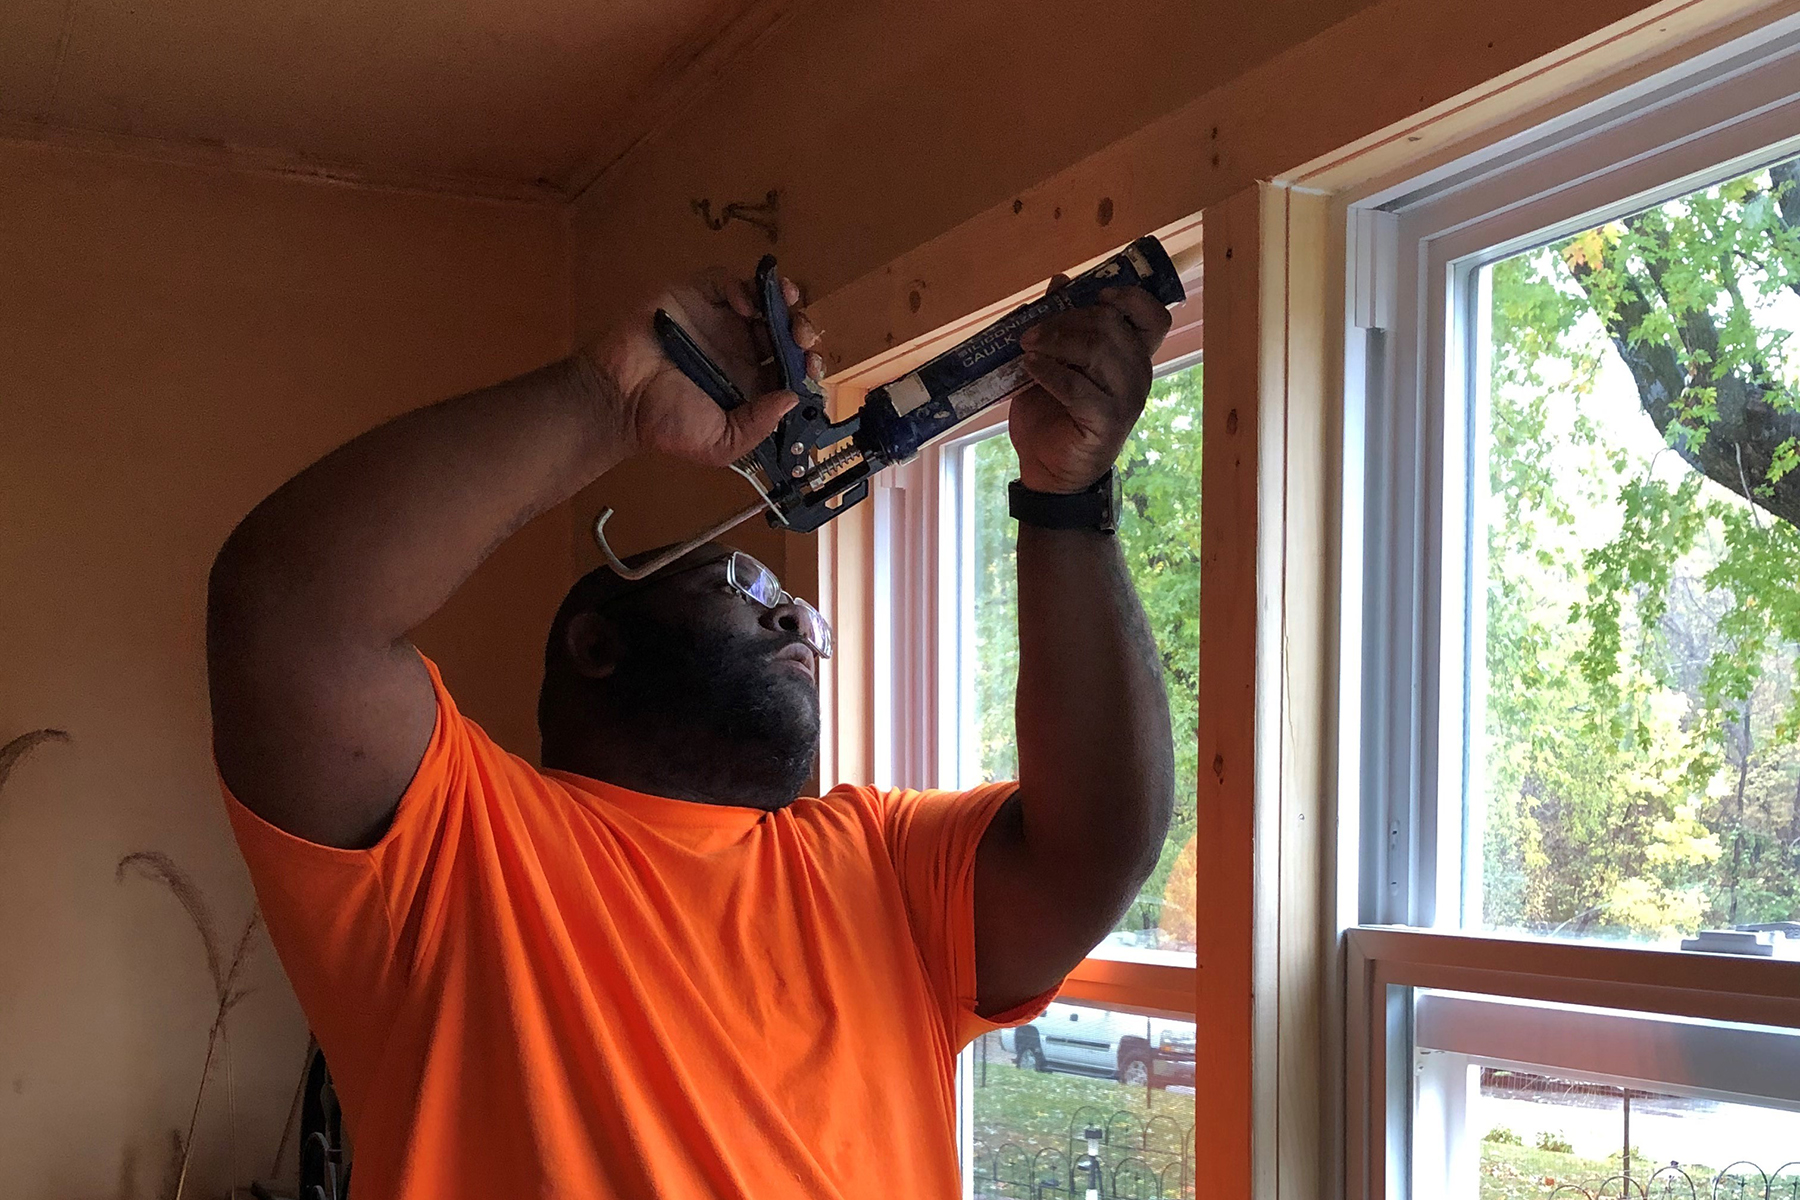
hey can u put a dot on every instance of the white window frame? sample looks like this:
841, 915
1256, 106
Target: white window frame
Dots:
1656, 996
1423, 446
1415, 419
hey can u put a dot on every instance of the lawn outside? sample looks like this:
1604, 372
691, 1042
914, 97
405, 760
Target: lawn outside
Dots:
1539, 1142
1527, 1173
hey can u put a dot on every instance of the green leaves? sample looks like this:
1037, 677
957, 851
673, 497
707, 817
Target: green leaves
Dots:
1643, 617
1659, 526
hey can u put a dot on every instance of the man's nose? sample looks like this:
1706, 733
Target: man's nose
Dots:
783, 617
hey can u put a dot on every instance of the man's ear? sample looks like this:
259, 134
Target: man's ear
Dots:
593, 645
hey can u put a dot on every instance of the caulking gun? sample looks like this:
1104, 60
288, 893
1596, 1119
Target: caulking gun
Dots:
812, 469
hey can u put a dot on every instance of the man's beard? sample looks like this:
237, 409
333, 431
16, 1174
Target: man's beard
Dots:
728, 720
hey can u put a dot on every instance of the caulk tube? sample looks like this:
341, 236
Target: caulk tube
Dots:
984, 370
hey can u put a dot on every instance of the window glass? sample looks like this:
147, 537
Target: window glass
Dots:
1635, 772
1160, 534
1538, 1133
1516, 1098
1040, 1090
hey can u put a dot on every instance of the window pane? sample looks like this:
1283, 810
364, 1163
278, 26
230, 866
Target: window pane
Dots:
1038, 1090
1537, 1133
1160, 534
1515, 1098
1636, 774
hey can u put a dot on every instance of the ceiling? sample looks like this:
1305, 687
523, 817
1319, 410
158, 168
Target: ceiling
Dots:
508, 96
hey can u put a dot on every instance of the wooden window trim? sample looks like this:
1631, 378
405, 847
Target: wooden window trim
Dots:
1154, 988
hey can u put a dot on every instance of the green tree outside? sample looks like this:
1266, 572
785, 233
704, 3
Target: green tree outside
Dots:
1643, 620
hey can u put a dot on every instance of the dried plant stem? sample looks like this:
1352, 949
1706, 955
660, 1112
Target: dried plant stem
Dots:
231, 1132
187, 1151
287, 1129
162, 869
14, 752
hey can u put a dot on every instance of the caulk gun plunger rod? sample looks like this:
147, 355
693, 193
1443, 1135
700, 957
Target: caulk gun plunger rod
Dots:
662, 560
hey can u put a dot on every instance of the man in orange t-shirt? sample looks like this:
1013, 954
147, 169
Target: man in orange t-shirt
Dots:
653, 968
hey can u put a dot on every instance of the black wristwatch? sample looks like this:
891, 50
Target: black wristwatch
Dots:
1095, 509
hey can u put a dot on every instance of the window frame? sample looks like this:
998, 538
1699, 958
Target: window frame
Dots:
910, 615
938, 596
883, 696
1415, 245
1421, 405
935, 596
1385, 965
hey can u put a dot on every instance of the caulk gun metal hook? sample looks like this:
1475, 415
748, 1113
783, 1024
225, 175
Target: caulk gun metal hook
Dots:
662, 560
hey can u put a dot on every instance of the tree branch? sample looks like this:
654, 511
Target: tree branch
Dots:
1738, 446
1788, 203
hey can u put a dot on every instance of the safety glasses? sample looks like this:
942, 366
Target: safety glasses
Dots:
759, 585
756, 583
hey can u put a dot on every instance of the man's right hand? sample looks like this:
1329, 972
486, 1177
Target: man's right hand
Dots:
321, 708
658, 408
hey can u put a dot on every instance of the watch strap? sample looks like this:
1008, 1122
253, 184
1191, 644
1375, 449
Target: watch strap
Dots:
1095, 508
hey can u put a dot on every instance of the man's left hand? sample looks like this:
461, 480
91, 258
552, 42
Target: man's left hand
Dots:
1091, 373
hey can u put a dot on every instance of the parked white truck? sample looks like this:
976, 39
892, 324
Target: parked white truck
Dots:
1096, 1041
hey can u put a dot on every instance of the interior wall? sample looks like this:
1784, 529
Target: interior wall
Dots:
174, 342
881, 125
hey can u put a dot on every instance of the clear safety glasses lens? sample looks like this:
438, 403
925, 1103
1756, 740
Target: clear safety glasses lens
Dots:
814, 628
756, 582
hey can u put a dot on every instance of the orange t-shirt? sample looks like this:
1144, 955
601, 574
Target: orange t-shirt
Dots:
540, 985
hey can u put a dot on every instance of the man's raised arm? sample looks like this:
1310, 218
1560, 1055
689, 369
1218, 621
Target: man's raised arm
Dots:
321, 709
1067, 854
